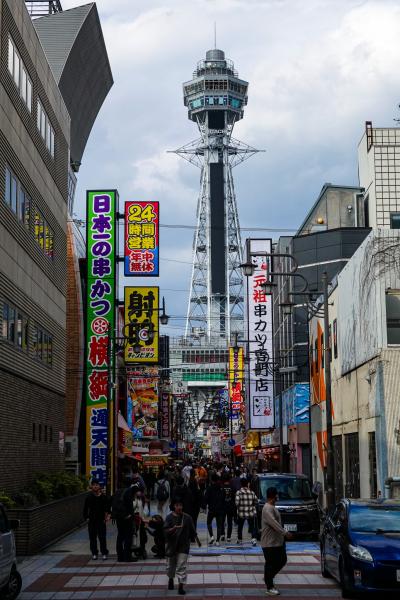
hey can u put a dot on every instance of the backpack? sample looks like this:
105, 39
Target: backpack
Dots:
118, 506
162, 492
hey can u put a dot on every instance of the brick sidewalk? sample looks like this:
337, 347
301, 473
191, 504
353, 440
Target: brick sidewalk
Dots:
66, 571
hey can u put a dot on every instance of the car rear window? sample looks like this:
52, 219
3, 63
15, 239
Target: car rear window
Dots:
375, 519
289, 488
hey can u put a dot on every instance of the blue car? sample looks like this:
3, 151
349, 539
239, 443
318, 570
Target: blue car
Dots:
360, 546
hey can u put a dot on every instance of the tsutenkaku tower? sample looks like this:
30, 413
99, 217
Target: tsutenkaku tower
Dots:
215, 99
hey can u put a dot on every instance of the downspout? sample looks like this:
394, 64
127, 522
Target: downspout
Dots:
381, 445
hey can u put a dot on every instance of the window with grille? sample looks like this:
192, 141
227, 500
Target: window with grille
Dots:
19, 73
45, 128
16, 197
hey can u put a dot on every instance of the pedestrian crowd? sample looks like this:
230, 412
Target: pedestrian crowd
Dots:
229, 496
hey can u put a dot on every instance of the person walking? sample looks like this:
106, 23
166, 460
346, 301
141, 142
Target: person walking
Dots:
273, 537
179, 532
201, 474
197, 496
246, 506
123, 514
140, 535
96, 512
182, 492
229, 507
255, 483
214, 500
162, 494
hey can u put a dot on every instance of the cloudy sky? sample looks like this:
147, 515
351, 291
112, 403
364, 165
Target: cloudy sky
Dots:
318, 69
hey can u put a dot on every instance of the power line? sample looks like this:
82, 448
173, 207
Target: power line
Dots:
121, 223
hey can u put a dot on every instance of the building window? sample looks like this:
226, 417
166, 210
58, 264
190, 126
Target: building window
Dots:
19, 74
373, 479
393, 317
335, 352
43, 345
316, 356
44, 127
44, 234
394, 220
14, 326
17, 198
33, 432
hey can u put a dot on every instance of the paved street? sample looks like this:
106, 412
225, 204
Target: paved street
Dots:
67, 571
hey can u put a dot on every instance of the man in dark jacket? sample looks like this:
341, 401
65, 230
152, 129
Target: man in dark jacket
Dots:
123, 514
179, 532
182, 492
214, 500
96, 512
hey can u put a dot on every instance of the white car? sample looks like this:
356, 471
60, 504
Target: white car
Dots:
10, 579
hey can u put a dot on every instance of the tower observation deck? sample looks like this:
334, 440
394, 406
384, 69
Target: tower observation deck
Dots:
215, 98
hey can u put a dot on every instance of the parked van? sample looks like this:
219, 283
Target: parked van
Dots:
10, 579
296, 503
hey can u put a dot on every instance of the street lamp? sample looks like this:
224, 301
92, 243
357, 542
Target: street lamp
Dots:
248, 268
287, 307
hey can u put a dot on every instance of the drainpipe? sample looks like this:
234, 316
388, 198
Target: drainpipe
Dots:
382, 450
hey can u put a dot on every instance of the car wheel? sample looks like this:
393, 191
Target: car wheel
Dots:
13, 588
324, 572
346, 589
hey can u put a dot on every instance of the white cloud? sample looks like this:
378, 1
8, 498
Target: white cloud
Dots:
318, 69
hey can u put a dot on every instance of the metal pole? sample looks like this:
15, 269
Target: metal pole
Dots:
330, 490
280, 432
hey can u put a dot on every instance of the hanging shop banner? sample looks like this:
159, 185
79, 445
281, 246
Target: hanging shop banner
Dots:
142, 395
141, 254
101, 240
236, 376
260, 336
165, 415
141, 324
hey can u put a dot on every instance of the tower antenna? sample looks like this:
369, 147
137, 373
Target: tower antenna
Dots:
215, 34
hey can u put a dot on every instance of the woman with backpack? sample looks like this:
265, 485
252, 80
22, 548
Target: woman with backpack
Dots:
162, 493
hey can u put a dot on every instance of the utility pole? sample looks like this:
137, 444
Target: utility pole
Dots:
330, 489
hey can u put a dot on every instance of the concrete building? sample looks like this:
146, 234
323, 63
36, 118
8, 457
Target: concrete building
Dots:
364, 314
41, 147
379, 174
329, 235
364, 321
66, 37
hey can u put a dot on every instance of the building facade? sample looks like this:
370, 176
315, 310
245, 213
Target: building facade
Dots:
379, 174
364, 311
34, 147
329, 235
43, 132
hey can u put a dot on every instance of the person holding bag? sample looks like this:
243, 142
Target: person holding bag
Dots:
179, 532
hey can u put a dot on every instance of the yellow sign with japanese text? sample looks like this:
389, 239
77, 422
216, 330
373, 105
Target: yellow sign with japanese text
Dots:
141, 324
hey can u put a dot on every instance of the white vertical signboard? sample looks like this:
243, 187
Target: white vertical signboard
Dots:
260, 336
